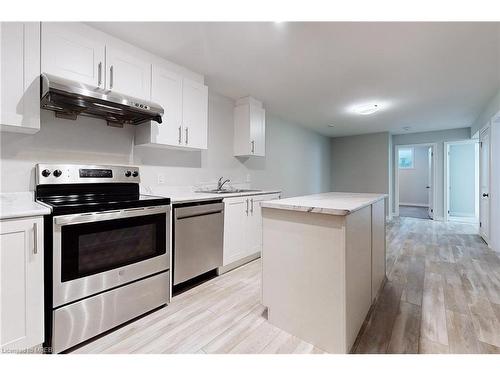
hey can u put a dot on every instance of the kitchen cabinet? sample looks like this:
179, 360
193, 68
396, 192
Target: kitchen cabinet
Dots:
243, 227
73, 51
19, 77
21, 284
78, 52
249, 128
127, 74
195, 114
378, 247
185, 122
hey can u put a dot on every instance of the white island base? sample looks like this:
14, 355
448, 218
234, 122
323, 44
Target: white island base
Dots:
323, 264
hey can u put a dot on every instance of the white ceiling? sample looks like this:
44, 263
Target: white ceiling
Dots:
429, 76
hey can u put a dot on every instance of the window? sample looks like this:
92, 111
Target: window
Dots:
405, 158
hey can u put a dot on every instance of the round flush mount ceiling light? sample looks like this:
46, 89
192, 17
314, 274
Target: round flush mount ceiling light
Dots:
367, 108
331, 125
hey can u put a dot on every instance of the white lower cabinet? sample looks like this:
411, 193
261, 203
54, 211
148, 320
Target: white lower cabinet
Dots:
21, 283
243, 227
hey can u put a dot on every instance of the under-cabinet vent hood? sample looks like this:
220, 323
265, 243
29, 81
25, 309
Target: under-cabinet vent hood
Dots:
68, 99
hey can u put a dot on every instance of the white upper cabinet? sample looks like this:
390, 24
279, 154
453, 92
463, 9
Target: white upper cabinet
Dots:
249, 128
21, 286
185, 121
127, 74
73, 51
195, 114
19, 77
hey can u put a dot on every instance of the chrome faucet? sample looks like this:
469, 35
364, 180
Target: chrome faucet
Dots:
221, 183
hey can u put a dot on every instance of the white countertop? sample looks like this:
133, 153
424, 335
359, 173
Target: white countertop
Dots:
185, 197
13, 205
332, 203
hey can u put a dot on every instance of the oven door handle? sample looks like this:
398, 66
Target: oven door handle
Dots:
109, 215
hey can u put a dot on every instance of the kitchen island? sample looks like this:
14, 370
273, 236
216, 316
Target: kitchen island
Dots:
323, 264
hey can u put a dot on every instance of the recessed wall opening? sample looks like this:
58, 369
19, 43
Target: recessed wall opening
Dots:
415, 181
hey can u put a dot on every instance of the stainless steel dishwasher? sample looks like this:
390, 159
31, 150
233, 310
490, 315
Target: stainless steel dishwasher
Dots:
198, 238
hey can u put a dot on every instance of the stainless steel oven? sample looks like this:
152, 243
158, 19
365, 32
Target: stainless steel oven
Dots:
94, 252
107, 250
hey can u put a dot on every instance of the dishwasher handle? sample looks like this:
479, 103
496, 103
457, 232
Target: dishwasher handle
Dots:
198, 210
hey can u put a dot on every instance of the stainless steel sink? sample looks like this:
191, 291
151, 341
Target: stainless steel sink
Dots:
228, 191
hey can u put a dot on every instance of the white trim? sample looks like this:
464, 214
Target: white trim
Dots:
446, 169
414, 204
396, 174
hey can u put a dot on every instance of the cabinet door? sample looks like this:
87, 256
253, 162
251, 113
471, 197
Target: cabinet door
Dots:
166, 90
72, 51
21, 283
235, 221
195, 114
257, 131
378, 246
127, 74
254, 222
19, 76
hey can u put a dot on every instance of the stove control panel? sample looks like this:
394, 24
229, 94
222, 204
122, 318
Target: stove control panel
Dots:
81, 174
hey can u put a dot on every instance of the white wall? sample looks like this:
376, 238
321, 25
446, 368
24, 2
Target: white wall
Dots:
490, 109
462, 172
297, 159
438, 137
360, 163
413, 181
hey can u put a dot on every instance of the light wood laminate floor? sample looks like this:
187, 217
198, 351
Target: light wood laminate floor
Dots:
442, 296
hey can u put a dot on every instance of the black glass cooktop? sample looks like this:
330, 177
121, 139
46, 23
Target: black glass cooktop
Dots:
68, 199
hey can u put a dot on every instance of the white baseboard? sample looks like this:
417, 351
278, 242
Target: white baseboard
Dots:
414, 204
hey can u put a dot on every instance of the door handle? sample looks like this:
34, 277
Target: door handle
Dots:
99, 74
111, 78
251, 209
35, 238
427, 187
486, 195
180, 135
187, 135
247, 208
253, 146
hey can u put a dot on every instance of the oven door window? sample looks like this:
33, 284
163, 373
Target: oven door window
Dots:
92, 248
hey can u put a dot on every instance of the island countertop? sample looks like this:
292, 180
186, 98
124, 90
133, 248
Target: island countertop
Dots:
332, 203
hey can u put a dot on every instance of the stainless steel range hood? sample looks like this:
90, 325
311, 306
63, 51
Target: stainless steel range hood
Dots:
68, 99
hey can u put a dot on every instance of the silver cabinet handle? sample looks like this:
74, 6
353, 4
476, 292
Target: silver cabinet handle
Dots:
35, 239
180, 135
251, 210
187, 135
253, 146
247, 207
99, 74
111, 77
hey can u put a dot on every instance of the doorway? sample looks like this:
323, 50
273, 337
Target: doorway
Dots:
414, 178
461, 191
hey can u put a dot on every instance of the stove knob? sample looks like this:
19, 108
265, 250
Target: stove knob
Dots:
135, 174
128, 174
57, 173
45, 173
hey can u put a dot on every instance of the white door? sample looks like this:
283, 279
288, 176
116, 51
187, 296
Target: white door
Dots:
166, 90
195, 114
71, 51
430, 186
235, 220
484, 182
127, 74
257, 130
21, 284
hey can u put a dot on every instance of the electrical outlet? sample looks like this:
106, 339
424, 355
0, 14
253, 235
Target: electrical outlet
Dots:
161, 179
